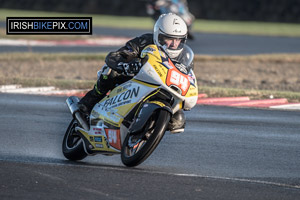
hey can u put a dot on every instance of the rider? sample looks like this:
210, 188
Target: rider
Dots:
170, 33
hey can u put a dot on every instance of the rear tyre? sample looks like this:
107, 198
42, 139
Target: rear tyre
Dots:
137, 148
72, 146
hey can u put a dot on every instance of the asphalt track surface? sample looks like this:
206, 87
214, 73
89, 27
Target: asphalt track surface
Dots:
224, 153
205, 43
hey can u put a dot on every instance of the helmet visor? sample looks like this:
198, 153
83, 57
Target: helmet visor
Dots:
171, 42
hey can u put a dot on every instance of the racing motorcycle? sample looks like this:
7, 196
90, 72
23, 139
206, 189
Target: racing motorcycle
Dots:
132, 119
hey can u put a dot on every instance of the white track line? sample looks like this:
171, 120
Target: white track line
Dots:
241, 180
189, 175
101, 41
287, 107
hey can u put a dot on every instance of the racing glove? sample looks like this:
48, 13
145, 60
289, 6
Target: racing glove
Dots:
130, 68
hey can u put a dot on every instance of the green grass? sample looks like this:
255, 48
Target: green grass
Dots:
248, 28
251, 93
213, 26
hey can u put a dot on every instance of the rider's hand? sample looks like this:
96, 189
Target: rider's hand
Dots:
132, 67
135, 66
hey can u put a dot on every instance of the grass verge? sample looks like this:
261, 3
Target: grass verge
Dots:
293, 97
78, 71
276, 58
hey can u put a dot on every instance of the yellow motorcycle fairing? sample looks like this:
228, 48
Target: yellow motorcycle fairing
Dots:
107, 132
160, 69
106, 119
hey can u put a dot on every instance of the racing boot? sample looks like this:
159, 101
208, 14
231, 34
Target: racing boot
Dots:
87, 103
102, 86
177, 122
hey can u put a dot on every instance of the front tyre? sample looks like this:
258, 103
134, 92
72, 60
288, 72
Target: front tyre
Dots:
72, 146
137, 148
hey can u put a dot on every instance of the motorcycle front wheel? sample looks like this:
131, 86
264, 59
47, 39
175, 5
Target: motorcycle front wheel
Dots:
137, 148
72, 146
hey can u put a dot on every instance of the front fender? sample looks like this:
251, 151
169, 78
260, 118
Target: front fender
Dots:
145, 113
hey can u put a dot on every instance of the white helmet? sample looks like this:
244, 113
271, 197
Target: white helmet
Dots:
170, 26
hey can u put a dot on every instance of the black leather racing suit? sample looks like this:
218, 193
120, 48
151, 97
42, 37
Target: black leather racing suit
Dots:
111, 74
129, 52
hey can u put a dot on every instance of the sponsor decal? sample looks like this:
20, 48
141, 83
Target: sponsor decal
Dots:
97, 130
146, 51
99, 145
123, 98
91, 138
123, 87
113, 136
192, 79
98, 139
149, 49
158, 70
49, 25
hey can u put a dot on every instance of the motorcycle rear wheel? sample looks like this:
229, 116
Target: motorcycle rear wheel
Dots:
135, 151
72, 146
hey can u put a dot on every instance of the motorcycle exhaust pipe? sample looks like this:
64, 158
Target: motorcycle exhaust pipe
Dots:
72, 103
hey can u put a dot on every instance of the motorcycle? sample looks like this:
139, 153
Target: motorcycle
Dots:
133, 118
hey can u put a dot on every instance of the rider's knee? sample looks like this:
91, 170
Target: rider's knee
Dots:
105, 80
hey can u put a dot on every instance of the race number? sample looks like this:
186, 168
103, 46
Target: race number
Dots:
113, 136
178, 79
